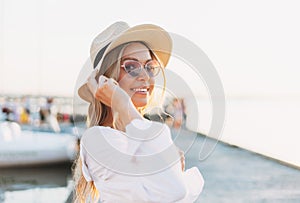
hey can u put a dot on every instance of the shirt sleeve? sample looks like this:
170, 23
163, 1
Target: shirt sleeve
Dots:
141, 164
194, 183
84, 167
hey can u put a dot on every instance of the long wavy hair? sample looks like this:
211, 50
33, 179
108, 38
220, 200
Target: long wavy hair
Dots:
97, 113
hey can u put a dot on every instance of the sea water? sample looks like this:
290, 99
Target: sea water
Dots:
231, 174
265, 126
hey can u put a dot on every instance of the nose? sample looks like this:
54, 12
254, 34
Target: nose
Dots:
144, 75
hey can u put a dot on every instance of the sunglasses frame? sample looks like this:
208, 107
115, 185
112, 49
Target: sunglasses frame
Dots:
141, 66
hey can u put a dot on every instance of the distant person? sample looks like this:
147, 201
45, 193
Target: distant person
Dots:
49, 115
127, 60
25, 116
178, 113
25, 110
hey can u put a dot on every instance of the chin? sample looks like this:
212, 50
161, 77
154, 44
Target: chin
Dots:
139, 103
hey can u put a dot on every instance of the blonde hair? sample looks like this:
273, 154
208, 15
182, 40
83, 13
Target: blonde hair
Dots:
97, 113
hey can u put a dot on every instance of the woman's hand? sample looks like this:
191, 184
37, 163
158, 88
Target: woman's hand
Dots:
108, 92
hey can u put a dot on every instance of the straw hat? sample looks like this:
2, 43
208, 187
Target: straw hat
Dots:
155, 37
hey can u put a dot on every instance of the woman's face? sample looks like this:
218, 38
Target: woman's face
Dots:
140, 87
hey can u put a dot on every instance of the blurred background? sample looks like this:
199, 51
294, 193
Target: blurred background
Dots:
254, 46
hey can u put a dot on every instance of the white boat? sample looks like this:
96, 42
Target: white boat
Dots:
27, 148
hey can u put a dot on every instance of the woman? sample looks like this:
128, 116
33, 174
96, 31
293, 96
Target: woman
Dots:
124, 157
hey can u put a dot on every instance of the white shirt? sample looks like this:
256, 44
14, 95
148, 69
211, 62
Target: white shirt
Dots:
141, 164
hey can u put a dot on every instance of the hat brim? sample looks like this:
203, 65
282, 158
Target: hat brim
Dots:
155, 37
85, 93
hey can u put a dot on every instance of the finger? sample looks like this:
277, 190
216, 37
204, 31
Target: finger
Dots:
102, 80
114, 81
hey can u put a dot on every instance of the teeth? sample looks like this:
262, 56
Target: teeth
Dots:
140, 90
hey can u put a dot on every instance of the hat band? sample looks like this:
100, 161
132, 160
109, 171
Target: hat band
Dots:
100, 55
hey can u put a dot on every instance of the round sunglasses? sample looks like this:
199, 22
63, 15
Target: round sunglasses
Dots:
134, 68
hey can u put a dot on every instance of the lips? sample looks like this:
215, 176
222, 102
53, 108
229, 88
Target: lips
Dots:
140, 90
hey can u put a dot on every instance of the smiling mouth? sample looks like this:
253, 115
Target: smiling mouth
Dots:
143, 90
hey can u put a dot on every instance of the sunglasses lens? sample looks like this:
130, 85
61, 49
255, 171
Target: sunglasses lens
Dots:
152, 68
132, 67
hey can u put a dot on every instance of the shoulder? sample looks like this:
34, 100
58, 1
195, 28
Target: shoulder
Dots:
97, 133
139, 125
97, 130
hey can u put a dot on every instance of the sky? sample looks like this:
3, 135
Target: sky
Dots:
253, 45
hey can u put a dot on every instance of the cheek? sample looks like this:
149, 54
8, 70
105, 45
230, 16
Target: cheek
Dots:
121, 75
122, 80
125, 82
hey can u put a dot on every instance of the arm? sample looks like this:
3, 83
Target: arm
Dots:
164, 186
109, 93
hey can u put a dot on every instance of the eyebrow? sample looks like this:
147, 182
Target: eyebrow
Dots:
135, 59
